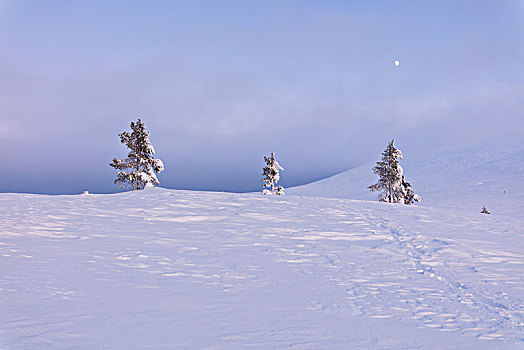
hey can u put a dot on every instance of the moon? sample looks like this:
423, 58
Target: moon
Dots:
397, 63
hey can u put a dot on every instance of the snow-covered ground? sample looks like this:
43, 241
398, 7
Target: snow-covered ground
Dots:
166, 269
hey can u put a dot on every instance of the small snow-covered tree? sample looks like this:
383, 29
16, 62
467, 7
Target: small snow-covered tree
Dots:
392, 183
139, 168
271, 173
410, 196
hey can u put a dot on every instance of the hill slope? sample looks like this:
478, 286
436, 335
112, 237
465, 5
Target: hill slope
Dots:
459, 179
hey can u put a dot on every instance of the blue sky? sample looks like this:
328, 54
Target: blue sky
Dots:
220, 84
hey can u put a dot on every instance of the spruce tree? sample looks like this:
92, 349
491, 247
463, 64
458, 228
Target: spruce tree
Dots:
139, 168
392, 183
271, 173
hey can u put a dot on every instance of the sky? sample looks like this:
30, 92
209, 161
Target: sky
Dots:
220, 84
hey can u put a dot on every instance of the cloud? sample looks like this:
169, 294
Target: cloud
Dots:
5, 128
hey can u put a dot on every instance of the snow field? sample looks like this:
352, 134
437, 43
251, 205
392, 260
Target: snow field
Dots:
180, 269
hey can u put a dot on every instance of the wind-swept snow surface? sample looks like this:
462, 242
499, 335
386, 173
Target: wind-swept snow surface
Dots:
165, 269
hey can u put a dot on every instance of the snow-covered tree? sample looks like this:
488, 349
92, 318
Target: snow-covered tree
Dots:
392, 183
271, 173
139, 168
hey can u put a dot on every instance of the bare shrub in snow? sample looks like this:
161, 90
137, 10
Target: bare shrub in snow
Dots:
139, 168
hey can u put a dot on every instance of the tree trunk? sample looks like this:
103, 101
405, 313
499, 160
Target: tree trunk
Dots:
137, 171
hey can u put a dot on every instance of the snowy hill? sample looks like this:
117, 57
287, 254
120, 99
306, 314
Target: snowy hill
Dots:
166, 269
